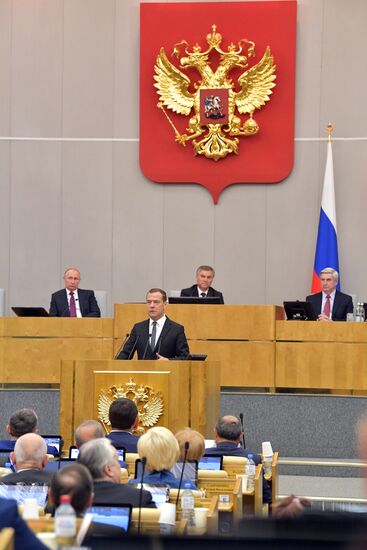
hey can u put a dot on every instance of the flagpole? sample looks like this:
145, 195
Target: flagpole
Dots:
329, 129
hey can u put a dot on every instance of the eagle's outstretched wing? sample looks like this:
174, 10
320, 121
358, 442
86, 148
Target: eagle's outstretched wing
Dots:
103, 407
152, 411
256, 84
172, 86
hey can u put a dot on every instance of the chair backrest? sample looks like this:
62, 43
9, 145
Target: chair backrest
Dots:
274, 477
124, 475
101, 297
7, 539
130, 460
234, 465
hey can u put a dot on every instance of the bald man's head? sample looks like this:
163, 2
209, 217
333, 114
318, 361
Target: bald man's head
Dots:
30, 451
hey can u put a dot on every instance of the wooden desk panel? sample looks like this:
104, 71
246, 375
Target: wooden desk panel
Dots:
313, 331
56, 327
242, 364
339, 366
208, 322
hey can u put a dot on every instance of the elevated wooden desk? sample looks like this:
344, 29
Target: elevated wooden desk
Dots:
330, 356
241, 337
31, 348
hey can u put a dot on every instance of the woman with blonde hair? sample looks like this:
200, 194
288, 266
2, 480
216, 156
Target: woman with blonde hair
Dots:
160, 448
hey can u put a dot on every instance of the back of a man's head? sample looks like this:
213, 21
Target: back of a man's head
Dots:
90, 429
74, 480
22, 422
229, 427
122, 414
95, 455
31, 450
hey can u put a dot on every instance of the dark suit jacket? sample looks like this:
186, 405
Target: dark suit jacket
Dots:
343, 304
28, 477
107, 492
193, 291
171, 342
25, 539
124, 439
59, 306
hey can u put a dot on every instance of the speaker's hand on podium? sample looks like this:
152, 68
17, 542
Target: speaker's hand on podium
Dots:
161, 358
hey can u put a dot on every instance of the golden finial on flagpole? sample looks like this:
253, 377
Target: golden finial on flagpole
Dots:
329, 129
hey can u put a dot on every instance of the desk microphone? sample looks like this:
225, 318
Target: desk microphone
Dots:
146, 347
122, 345
143, 463
134, 348
187, 445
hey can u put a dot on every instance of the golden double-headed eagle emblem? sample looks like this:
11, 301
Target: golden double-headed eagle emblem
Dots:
214, 127
148, 401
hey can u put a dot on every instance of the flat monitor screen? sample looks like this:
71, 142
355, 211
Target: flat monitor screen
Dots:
159, 492
21, 492
118, 517
194, 300
53, 442
30, 311
299, 311
211, 463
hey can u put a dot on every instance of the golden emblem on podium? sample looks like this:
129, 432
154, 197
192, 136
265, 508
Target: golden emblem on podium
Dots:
214, 128
148, 401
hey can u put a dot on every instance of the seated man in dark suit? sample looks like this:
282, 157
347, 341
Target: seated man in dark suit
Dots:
73, 301
158, 337
22, 422
123, 416
25, 539
30, 458
100, 457
228, 436
204, 278
330, 304
90, 429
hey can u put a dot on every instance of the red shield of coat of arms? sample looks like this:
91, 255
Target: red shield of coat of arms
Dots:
217, 92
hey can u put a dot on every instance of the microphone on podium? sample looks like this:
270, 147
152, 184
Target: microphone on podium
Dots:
146, 347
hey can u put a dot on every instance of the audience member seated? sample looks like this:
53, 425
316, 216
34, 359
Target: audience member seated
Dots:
90, 429
24, 538
100, 457
74, 480
196, 443
29, 458
160, 448
228, 437
22, 422
124, 418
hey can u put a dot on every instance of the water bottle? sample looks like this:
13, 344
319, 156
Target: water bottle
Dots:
360, 313
65, 522
250, 470
187, 504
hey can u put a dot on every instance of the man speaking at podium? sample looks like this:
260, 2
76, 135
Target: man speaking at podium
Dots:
158, 337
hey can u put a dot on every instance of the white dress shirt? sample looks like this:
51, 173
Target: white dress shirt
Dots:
159, 327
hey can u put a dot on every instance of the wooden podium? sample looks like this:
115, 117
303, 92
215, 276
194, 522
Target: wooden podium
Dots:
190, 390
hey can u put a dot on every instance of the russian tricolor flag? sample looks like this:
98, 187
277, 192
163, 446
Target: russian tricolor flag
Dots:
327, 241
